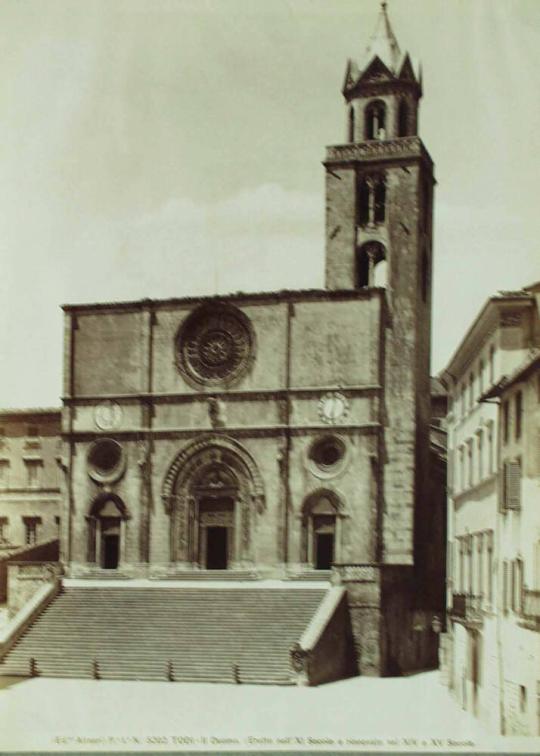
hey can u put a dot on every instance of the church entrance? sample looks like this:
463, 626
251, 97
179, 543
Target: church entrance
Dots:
324, 550
110, 543
216, 548
323, 547
106, 531
111, 552
216, 532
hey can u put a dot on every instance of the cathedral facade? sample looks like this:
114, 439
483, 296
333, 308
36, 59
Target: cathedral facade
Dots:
280, 435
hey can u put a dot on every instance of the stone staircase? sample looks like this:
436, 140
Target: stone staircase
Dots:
197, 634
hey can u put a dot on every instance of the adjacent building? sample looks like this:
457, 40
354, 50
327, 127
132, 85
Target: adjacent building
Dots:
491, 648
30, 477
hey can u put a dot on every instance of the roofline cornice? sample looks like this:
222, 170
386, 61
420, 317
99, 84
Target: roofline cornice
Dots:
485, 323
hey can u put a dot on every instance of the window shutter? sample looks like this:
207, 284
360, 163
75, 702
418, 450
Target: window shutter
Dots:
512, 484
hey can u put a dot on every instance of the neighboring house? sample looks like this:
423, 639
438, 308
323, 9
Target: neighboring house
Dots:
517, 544
481, 662
29, 477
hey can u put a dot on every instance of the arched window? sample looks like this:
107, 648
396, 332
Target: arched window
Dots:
106, 531
351, 123
371, 266
403, 119
376, 120
320, 541
371, 200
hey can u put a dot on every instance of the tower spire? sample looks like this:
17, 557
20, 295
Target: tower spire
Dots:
383, 42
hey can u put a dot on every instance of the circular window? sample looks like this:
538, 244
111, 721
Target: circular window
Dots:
106, 460
214, 345
327, 456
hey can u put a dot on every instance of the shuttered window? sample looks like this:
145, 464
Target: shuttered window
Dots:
512, 484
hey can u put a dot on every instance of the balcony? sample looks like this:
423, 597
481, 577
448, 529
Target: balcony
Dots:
531, 604
467, 608
404, 147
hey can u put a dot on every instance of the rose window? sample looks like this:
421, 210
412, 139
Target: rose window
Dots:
214, 345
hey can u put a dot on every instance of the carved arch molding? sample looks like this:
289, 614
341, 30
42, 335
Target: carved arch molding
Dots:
216, 463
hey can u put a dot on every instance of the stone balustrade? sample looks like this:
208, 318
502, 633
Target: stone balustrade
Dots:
403, 147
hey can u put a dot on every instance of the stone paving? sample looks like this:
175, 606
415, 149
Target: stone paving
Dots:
360, 714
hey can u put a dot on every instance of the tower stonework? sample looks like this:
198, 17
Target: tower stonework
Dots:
379, 199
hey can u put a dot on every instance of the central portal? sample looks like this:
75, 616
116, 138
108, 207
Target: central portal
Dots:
217, 548
216, 537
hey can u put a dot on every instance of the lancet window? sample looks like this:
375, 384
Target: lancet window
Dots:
371, 206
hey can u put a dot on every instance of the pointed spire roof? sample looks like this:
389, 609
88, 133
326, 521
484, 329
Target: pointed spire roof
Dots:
383, 43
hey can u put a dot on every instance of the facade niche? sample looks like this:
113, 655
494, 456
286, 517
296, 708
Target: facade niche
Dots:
371, 265
376, 121
371, 203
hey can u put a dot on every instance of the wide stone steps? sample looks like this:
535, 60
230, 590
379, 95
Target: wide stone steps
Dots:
190, 633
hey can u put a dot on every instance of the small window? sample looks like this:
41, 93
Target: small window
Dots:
4, 473
380, 201
403, 119
512, 484
505, 409
471, 390
491, 364
31, 529
519, 412
470, 462
363, 208
351, 123
327, 452
481, 377
480, 455
33, 472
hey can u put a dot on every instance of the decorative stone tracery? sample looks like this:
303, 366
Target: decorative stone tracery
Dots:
215, 345
214, 466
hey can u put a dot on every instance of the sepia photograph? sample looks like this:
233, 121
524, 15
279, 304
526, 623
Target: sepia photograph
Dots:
270, 386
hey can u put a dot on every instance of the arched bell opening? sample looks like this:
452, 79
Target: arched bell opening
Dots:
321, 530
375, 128
107, 531
403, 119
371, 266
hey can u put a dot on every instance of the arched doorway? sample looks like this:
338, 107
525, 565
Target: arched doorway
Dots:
321, 530
106, 531
214, 499
212, 492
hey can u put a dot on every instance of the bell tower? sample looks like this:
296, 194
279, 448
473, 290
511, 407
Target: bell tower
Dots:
379, 198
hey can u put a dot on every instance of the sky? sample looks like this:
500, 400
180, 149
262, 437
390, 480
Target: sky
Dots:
163, 148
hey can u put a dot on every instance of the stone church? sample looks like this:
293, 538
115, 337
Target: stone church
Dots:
280, 436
